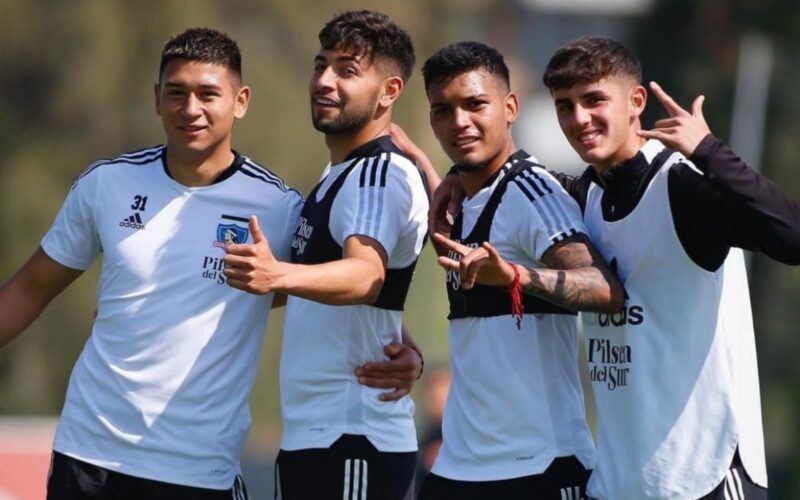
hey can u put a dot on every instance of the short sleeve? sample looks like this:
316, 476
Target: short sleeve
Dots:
73, 240
545, 212
295, 207
376, 201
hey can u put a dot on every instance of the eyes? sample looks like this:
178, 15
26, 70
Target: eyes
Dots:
204, 94
471, 105
346, 70
566, 106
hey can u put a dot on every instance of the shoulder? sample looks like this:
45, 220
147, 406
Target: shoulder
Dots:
387, 169
534, 182
262, 177
132, 159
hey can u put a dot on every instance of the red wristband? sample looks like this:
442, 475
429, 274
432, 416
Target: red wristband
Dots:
517, 309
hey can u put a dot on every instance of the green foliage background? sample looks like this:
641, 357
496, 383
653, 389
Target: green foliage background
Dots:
77, 85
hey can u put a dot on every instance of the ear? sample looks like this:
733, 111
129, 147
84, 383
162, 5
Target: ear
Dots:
157, 94
638, 100
392, 88
512, 107
242, 101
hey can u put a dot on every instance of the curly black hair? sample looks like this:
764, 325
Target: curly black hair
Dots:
372, 35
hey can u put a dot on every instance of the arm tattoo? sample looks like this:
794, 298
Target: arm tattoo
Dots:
577, 278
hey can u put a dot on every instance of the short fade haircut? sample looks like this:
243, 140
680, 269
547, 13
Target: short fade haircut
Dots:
590, 59
205, 45
371, 35
463, 57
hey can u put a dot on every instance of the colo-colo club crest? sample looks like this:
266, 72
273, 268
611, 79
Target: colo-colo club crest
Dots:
230, 230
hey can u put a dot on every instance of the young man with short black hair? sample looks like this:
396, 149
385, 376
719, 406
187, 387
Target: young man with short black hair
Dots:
353, 255
157, 404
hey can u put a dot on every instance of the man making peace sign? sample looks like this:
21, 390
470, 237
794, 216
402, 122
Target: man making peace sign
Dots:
674, 373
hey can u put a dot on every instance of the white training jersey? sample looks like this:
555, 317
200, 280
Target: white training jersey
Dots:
377, 193
161, 388
516, 402
674, 374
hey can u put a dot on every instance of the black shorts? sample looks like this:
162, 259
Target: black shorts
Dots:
737, 485
72, 479
352, 468
565, 479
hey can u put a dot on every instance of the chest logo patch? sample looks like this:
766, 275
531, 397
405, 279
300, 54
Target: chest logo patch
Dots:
231, 230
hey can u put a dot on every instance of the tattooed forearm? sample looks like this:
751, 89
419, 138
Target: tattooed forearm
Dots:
577, 278
584, 289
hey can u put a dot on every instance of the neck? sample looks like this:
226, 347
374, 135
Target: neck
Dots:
625, 152
341, 145
474, 181
197, 169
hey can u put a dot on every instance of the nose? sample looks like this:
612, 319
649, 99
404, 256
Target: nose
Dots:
461, 119
323, 80
581, 115
191, 106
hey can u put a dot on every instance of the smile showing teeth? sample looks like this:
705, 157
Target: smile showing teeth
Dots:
467, 140
588, 137
325, 102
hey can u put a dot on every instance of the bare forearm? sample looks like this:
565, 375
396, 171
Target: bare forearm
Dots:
341, 282
583, 289
18, 310
27, 293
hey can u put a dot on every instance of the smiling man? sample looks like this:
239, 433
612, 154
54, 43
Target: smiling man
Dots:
670, 208
156, 406
674, 373
514, 424
353, 255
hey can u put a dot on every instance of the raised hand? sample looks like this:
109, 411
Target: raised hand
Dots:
252, 267
683, 130
482, 265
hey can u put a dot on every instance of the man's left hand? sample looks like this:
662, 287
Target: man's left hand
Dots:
399, 373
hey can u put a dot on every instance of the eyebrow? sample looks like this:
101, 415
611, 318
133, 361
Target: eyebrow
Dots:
341, 58
482, 95
210, 86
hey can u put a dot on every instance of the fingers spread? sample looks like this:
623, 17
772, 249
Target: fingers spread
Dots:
448, 263
697, 105
666, 100
449, 244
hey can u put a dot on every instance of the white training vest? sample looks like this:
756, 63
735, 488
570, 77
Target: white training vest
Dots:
674, 375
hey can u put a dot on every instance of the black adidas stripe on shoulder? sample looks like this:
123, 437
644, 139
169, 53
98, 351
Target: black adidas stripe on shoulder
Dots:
256, 171
138, 157
373, 171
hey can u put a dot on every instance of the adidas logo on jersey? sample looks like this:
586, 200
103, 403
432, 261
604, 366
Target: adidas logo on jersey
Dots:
133, 222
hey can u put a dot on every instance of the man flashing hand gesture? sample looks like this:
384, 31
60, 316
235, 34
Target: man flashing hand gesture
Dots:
683, 130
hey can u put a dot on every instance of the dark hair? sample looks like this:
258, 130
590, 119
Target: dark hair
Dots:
204, 45
462, 57
589, 59
372, 35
